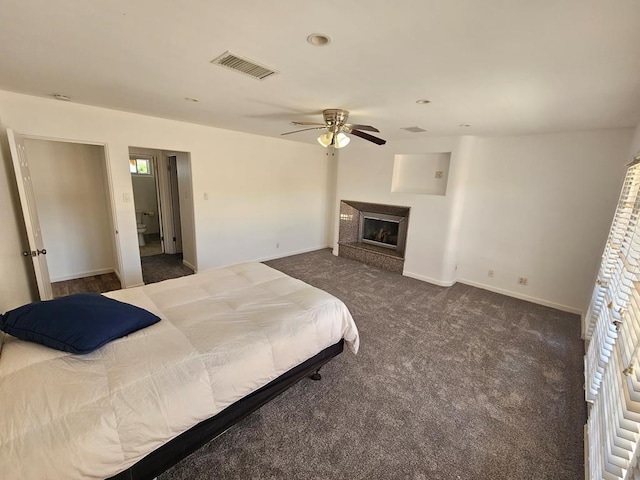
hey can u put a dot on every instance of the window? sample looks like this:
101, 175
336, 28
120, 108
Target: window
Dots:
612, 330
140, 166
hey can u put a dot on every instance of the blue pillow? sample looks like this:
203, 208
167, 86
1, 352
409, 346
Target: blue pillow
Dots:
78, 323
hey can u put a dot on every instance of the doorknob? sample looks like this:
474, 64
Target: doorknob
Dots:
43, 251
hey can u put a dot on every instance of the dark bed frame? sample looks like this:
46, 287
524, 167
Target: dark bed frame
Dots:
188, 442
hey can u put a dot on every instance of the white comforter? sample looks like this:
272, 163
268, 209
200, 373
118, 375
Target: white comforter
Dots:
223, 334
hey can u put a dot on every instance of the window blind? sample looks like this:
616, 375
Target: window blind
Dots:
612, 331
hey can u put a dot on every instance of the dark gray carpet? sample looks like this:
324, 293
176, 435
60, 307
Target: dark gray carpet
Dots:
450, 383
157, 268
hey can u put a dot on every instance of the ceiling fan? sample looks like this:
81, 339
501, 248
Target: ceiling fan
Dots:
335, 122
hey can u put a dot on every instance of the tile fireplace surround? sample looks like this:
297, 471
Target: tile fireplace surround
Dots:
350, 247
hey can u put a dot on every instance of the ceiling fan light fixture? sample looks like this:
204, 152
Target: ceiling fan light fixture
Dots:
341, 140
331, 139
325, 139
336, 128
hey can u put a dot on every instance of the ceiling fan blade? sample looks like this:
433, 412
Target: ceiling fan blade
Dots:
368, 128
308, 123
304, 130
366, 136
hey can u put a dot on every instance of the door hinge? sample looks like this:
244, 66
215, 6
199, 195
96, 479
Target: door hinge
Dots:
162, 239
174, 239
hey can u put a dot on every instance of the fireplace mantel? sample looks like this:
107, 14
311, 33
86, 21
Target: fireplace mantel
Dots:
350, 245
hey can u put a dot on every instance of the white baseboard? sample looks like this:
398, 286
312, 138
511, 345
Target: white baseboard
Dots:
428, 279
289, 254
520, 296
117, 274
188, 265
508, 293
90, 273
272, 257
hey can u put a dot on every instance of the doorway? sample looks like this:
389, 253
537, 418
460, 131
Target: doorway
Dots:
144, 180
161, 182
67, 203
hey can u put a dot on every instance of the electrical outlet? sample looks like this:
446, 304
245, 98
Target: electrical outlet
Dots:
523, 281
490, 274
438, 173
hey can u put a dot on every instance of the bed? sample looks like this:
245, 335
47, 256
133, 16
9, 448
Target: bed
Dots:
228, 341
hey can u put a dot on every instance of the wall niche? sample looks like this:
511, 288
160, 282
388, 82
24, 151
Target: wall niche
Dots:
421, 173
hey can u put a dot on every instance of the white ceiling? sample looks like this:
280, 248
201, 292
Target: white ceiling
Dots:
503, 66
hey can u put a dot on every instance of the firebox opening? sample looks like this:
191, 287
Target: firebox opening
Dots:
383, 230
380, 232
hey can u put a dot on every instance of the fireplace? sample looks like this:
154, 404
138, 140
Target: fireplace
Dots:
380, 229
373, 233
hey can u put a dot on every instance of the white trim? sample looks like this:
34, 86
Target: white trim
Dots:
64, 140
289, 254
90, 273
111, 201
417, 276
188, 265
520, 296
117, 274
585, 436
142, 284
266, 259
508, 293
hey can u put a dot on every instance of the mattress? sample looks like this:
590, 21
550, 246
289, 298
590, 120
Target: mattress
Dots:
224, 334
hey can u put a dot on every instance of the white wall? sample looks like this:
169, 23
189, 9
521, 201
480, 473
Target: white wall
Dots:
365, 173
264, 191
332, 207
534, 206
634, 151
69, 186
540, 207
261, 191
187, 222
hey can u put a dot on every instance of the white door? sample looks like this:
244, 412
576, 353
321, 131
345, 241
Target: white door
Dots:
175, 204
156, 173
36, 251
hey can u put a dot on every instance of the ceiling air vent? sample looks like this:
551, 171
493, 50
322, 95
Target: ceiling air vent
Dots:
413, 129
243, 65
